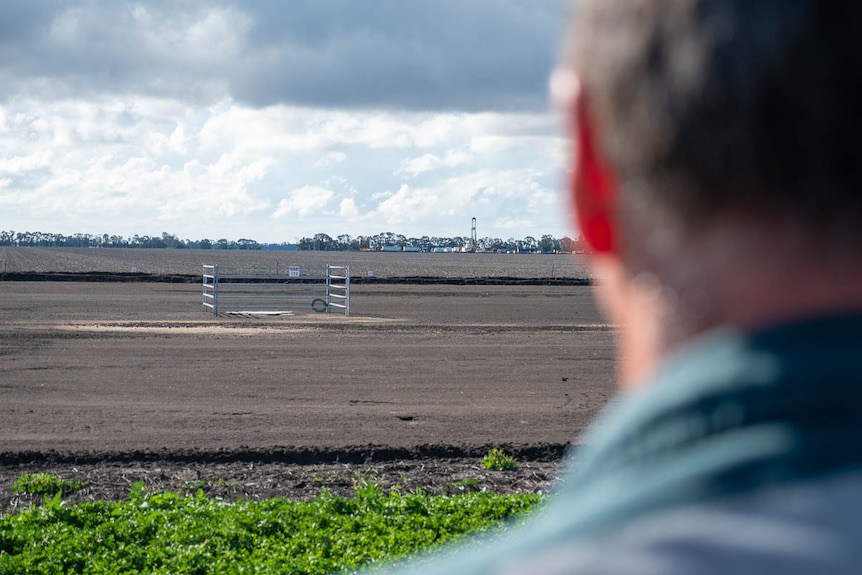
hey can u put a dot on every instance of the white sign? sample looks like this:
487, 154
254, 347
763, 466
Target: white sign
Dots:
371, 273
293, 271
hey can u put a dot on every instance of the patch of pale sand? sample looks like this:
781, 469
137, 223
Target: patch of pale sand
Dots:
289, 324
180, 329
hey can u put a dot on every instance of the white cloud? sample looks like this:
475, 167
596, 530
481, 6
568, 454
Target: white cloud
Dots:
347, 209
136, 165
491, 144
438, 130
428, 162
100, 173
179, 140
216, 37
455, 158
303, 201
346, 185
407, 205
329, 159
416, 166
17, 164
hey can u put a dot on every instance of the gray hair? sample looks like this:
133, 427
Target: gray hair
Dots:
710, 108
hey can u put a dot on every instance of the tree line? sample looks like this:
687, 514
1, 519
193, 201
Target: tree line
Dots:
345, 242
166, 240
317, 242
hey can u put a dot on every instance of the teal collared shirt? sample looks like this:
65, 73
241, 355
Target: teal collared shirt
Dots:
730, 415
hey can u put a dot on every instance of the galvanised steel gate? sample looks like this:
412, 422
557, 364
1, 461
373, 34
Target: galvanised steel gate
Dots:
266, 290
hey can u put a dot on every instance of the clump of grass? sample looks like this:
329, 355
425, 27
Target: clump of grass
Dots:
464, 485
499, 460
45, 484
193, 486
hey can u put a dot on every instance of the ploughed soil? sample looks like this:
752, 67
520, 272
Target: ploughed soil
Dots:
257, 479
117, 382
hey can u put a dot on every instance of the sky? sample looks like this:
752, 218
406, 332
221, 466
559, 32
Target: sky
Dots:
274, 119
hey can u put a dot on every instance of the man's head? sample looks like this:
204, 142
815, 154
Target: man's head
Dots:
711, 134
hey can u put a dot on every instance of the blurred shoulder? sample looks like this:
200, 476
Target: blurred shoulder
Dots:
812, 526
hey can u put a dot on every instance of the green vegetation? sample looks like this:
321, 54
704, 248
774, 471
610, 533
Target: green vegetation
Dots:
497, 459
45, 484
169, 533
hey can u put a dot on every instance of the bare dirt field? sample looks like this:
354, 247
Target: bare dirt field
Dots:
382, 264
118, 382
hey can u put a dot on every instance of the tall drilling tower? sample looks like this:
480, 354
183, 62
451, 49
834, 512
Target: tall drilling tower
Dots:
473, 242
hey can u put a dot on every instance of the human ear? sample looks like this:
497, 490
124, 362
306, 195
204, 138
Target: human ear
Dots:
593, 185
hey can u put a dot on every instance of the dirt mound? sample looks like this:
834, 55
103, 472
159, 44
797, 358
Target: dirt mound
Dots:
106, 277
120, 277
365, 454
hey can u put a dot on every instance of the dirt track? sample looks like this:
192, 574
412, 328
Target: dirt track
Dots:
104, 374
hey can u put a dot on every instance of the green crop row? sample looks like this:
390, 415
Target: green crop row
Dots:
163, 532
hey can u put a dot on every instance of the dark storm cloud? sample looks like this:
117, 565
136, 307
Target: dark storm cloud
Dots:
55, 49
418, 54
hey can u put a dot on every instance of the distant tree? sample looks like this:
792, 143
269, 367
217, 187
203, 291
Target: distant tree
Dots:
549, 244
323, 243
319, 242
169, 241
567, 244
528, 244
344, 242
246, 244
